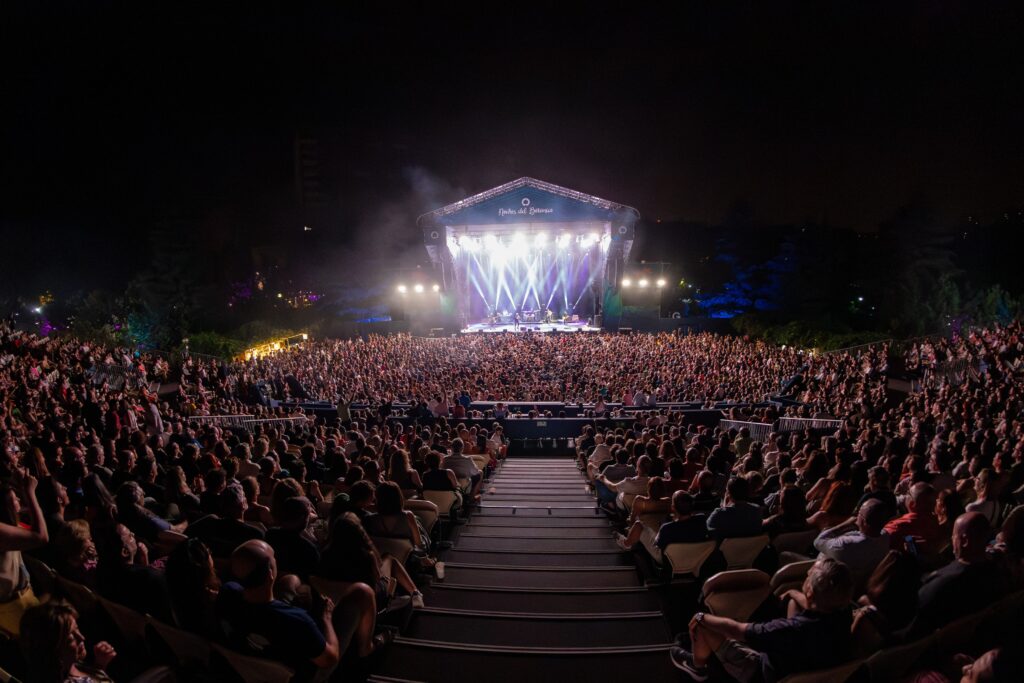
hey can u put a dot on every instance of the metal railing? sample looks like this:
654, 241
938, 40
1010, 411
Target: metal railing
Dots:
248, 422
759, 431
799, 424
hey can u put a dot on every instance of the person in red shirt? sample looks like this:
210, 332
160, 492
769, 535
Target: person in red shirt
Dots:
919, 521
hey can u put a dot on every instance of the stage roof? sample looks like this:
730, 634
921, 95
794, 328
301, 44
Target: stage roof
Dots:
525, 201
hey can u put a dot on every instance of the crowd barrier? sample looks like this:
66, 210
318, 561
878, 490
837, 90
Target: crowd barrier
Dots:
759, 431
799, 424
248, 422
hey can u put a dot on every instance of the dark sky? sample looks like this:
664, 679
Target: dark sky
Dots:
114, 117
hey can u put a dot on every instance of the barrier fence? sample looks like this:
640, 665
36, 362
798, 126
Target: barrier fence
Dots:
248, 422
759, 431
799, 424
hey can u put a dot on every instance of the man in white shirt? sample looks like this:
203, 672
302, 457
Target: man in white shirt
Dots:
859, 543
630, 486
463, 466
599, 455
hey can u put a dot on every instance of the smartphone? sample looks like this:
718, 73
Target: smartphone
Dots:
911, 544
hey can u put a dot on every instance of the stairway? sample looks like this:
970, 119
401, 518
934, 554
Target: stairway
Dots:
535, 589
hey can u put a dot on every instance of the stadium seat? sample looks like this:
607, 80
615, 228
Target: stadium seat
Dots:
399, 548
797, 542
736, 594
957, 635
740, 553
836, 674
239, 668
183, 649
791, 576
447, 503
81, 597
43, 577
686, 559
892, 663
425, 511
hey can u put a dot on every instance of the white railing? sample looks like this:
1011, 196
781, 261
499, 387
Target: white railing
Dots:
759, 431
799, 424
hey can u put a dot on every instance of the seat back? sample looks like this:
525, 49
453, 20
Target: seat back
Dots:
736, 594
446, 502
956, 635
892, 663
836, 674
332, 589
791, 576
81, 597
42, 576
235, 666
799, 542
399, 548
740, 553
129, 624
425, 511
627, 500
186, 649
688, 558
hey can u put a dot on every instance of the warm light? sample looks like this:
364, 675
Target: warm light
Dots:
280, 295
305, 337
626, 282
402, 289
437, 288
641, 283
418, 289
661, 282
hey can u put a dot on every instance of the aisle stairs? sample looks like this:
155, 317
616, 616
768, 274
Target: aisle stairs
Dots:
535, 589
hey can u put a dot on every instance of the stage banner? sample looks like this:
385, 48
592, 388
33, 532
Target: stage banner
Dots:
528, 205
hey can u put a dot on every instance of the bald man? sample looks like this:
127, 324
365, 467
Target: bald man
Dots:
969, 583
272, 628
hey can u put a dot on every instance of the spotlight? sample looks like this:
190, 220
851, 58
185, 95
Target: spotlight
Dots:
563, 240
37, 309
540, 239
490, 242
418, 289
660, 282
641, 283
437, 288
626, 282
402, 289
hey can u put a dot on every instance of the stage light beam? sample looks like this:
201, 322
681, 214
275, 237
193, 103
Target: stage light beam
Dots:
437, 288
626, 282
642, 283
660, 282
418, 289
402, 289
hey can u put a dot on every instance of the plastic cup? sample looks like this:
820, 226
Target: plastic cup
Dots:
439, 570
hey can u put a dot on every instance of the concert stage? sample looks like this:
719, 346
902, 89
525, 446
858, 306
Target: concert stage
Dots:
486, 327
526, 246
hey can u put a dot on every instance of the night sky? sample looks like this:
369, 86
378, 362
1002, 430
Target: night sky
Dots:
115, 118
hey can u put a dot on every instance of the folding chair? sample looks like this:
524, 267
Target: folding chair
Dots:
129, 624
736, 594
85, 602
740, 553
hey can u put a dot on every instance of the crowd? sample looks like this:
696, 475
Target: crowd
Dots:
912, 509
263, 538
571, 368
